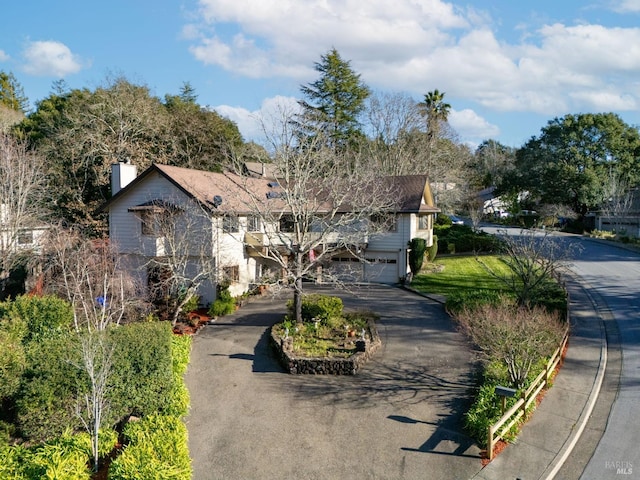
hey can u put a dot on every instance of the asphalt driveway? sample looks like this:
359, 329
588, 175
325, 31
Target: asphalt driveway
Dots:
399, 418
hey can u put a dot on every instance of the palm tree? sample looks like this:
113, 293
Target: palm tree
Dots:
435, 110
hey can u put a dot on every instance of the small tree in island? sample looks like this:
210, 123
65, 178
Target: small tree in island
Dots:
318, 207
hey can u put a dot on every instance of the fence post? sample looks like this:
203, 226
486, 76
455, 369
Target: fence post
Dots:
490, 443
523, 395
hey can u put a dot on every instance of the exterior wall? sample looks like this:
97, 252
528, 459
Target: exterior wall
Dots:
228, 248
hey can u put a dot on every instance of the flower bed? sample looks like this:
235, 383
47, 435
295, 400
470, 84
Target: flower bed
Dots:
298, 363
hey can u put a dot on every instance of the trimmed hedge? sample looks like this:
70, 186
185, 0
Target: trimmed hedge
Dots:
179, 399
44, 317
46, 401
418, 247
318, 306
142, 379
157, 447
66, 457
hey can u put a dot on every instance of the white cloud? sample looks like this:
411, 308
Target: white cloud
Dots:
626, 6
470, 125
416, 46
4, 56
256, 125
50, 58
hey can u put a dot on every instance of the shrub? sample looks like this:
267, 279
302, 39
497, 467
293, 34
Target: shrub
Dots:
432, 251
474, 299
46, 400
320, 307
142, 380
12, 361
44, 316
156, 448
443, 219
517, 336
418, 247
65, 457
224, 303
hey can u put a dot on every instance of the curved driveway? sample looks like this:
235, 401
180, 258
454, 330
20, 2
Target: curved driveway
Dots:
399, 418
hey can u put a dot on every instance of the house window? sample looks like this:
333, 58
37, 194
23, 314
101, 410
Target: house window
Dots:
385, 222
25, 237
230, 224
424, 222
151, 222
231, 273
287, 224
253, 223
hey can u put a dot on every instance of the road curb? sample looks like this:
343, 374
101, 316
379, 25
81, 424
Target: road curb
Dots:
554, 467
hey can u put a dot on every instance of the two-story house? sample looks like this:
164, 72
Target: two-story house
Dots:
224, 228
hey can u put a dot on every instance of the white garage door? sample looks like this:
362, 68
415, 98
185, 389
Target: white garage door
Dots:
381, 267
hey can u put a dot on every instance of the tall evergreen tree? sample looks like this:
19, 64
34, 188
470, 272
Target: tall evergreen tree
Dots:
334, 102
11, 93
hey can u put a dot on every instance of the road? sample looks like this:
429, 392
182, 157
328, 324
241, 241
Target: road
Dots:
612, 275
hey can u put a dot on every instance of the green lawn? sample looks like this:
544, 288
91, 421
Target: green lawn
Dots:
461, 274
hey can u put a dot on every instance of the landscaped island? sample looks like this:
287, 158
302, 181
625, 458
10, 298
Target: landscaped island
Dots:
328, 340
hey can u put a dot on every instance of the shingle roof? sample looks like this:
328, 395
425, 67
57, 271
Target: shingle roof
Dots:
233, 189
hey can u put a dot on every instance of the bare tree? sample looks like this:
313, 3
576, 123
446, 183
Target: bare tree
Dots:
518, 337
618, 199
21, 188
87, 273
8, 118
97, 355
319, 206
187, 253
533, 260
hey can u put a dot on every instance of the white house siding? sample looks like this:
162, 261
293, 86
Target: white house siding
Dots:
126, 233
125, 227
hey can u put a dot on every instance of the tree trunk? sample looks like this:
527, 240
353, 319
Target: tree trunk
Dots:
297, 292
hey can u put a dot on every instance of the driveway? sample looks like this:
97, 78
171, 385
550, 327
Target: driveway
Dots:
399, 418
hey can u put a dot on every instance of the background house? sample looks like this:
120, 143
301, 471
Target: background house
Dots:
216, 216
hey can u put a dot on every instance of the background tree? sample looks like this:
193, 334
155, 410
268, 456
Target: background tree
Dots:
492, 162
200, 138
397, 141
572, 158
11, 93
81, 133
21, 194
334, 102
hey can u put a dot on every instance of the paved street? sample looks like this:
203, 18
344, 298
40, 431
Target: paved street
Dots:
399, 418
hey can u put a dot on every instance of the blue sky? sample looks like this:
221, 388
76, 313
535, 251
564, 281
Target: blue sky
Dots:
506, 67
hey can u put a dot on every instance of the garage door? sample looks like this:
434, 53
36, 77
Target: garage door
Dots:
381, 267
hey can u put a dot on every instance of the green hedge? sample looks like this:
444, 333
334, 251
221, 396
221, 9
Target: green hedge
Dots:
43, 316
179, 399
417, 249
142, 378
156, 448
46, 401
463, 239
318, 306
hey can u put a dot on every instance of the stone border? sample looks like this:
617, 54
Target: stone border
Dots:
327, 365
